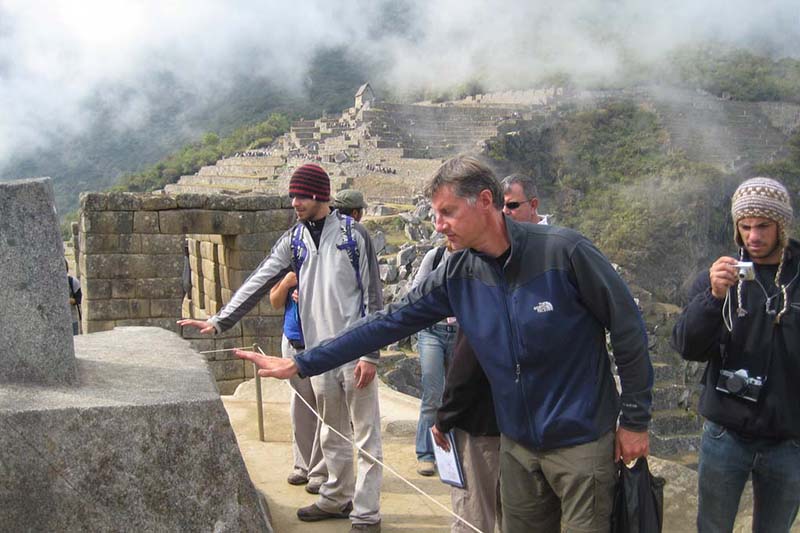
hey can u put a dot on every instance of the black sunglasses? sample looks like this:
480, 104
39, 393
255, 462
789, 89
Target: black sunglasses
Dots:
513, 205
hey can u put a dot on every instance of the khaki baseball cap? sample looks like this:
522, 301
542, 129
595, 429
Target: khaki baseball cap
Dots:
349, 199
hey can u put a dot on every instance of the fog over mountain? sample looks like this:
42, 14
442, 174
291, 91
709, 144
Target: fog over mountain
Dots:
64, 65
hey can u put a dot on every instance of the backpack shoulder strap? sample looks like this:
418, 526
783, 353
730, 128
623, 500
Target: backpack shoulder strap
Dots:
350, 245
438, 257
299, 248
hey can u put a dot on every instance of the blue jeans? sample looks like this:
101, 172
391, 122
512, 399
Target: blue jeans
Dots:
435, 345
727, 460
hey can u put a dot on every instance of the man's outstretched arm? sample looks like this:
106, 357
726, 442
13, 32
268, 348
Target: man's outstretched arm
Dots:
423, 306
269, 367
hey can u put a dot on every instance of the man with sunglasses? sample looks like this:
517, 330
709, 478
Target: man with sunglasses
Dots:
520, 200
338, 283
744, 323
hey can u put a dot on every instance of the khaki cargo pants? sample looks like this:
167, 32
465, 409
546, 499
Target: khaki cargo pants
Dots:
573, 485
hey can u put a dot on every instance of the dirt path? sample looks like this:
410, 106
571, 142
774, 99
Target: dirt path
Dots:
402, 508
270, 462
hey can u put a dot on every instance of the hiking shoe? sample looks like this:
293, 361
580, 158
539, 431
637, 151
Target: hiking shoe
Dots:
313, 486
296, 479
366, 528
426, 468
312, 513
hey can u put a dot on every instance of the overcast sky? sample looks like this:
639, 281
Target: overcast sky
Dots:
55, 54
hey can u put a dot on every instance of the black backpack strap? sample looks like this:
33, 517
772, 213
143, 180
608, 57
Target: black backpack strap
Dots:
71, 289
438, 257
350, 245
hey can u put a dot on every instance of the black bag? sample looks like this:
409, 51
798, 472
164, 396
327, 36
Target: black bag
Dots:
638, 500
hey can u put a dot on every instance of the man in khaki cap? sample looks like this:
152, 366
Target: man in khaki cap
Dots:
351, 203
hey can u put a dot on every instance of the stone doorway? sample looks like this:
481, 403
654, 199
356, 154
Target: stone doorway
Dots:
130, 259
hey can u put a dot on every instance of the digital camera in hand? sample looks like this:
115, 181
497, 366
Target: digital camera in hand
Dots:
744, 270
739, 383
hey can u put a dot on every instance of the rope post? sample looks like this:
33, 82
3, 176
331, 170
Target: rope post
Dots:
259, 405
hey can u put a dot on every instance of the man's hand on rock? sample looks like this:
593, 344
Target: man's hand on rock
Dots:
202, 325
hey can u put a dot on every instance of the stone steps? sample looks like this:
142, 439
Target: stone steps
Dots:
432, 153
725, 133
667, 372
239, 171
248, 161
427, 132
451, 137
672, 445
238, 181
667, 396
387, 143
175, 188
676, 421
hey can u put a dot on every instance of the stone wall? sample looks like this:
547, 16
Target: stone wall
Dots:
131, 261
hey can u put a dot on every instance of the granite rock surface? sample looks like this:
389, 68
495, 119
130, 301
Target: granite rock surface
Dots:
36, 333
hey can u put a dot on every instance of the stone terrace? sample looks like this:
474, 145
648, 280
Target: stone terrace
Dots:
433, 131
388, 150
724, 133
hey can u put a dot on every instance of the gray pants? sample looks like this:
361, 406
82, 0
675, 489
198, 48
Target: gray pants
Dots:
306, 449
479, 502
340, 402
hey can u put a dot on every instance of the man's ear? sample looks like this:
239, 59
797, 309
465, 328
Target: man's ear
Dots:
534, 203
485, 199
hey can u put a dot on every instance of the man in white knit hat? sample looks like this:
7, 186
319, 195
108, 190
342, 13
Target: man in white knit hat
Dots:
743, 319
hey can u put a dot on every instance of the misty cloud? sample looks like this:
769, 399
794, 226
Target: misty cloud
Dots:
55, 56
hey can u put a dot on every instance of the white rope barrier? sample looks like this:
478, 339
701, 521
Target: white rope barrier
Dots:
387, 467
225, 350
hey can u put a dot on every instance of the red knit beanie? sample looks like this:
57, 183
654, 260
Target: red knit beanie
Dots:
311, 181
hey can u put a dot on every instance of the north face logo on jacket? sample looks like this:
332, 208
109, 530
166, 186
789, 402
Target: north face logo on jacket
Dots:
543, 307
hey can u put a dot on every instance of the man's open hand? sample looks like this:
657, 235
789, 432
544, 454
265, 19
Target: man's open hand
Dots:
269, 367
202, 325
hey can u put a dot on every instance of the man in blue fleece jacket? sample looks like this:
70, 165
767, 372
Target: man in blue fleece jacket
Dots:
534, 302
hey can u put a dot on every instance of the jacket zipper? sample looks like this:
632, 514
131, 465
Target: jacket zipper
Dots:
518, 369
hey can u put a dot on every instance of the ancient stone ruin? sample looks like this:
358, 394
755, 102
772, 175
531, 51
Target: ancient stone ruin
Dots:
123, 432
388, 149
131, 259
130, 248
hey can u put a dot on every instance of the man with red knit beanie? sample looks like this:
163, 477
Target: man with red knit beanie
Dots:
310, 181
338, 283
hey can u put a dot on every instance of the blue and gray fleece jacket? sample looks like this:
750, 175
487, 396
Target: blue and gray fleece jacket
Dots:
537, 325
